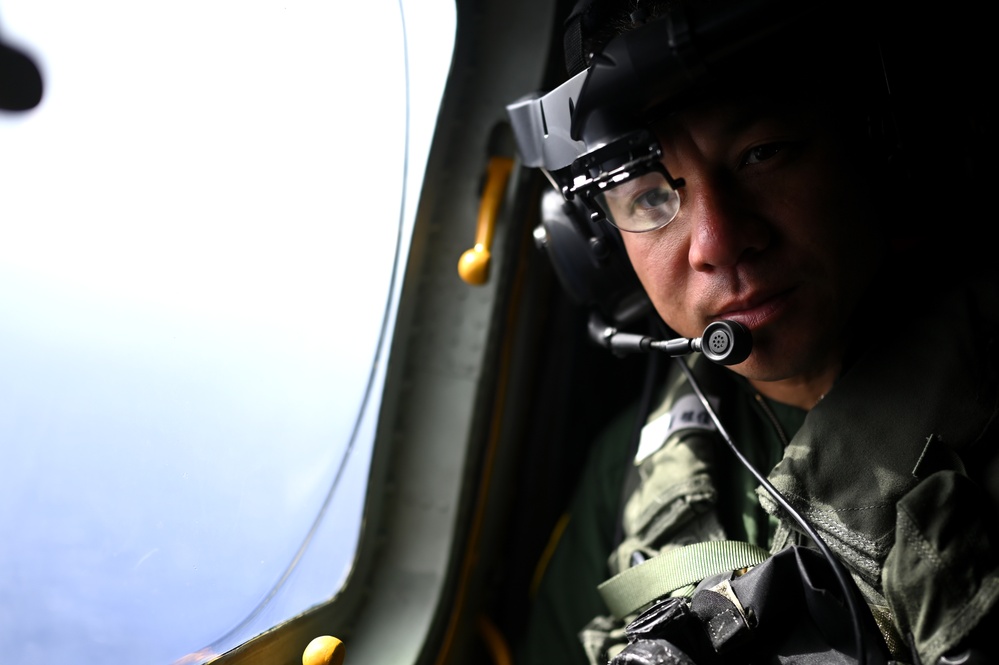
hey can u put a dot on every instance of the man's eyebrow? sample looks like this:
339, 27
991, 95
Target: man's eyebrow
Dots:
730, 121
736, 118
728, 118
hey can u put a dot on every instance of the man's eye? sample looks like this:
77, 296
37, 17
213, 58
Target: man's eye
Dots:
762, 153
653, 198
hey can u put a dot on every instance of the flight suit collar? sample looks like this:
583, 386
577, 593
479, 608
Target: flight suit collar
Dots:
905, 408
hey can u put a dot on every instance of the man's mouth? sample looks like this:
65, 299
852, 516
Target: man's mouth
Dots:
757, 309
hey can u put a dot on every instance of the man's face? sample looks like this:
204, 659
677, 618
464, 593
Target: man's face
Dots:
773, 231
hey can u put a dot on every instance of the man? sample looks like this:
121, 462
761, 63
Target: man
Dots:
774, 194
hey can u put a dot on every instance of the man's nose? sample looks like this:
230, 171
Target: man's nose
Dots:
723, 226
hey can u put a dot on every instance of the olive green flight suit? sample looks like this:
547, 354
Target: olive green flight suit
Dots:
896, 468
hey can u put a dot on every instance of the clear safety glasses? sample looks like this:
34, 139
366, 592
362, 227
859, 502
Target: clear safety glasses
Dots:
636, 196
643, 202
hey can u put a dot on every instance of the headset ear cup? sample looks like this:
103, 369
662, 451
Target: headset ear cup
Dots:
589, 261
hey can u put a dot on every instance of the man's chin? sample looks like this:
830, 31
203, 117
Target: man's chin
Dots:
767, 362
754, 370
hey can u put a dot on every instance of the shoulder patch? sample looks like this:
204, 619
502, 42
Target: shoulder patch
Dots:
687, 413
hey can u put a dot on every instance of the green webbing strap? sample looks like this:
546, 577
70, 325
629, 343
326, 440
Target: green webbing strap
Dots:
667, 572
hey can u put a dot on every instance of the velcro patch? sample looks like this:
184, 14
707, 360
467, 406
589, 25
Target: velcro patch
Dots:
687, 413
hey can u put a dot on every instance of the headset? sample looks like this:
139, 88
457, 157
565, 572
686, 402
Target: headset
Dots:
589, 261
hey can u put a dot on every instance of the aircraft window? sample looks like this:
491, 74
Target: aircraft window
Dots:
205, 226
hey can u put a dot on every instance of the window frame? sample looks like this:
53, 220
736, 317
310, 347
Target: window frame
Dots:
442, 370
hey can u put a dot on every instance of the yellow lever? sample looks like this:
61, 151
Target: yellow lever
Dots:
324, 650
474, 263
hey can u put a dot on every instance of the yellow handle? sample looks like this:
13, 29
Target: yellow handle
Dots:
324, 650
474, 263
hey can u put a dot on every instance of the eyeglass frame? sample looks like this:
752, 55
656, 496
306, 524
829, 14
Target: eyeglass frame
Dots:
602, 169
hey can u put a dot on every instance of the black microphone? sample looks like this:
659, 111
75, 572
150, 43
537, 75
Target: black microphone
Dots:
722, 342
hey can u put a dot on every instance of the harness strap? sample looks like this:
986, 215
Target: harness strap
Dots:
671, 571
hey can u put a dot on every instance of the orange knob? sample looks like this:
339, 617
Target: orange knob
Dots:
324, 650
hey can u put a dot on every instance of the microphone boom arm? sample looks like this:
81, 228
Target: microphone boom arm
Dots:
723, 342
